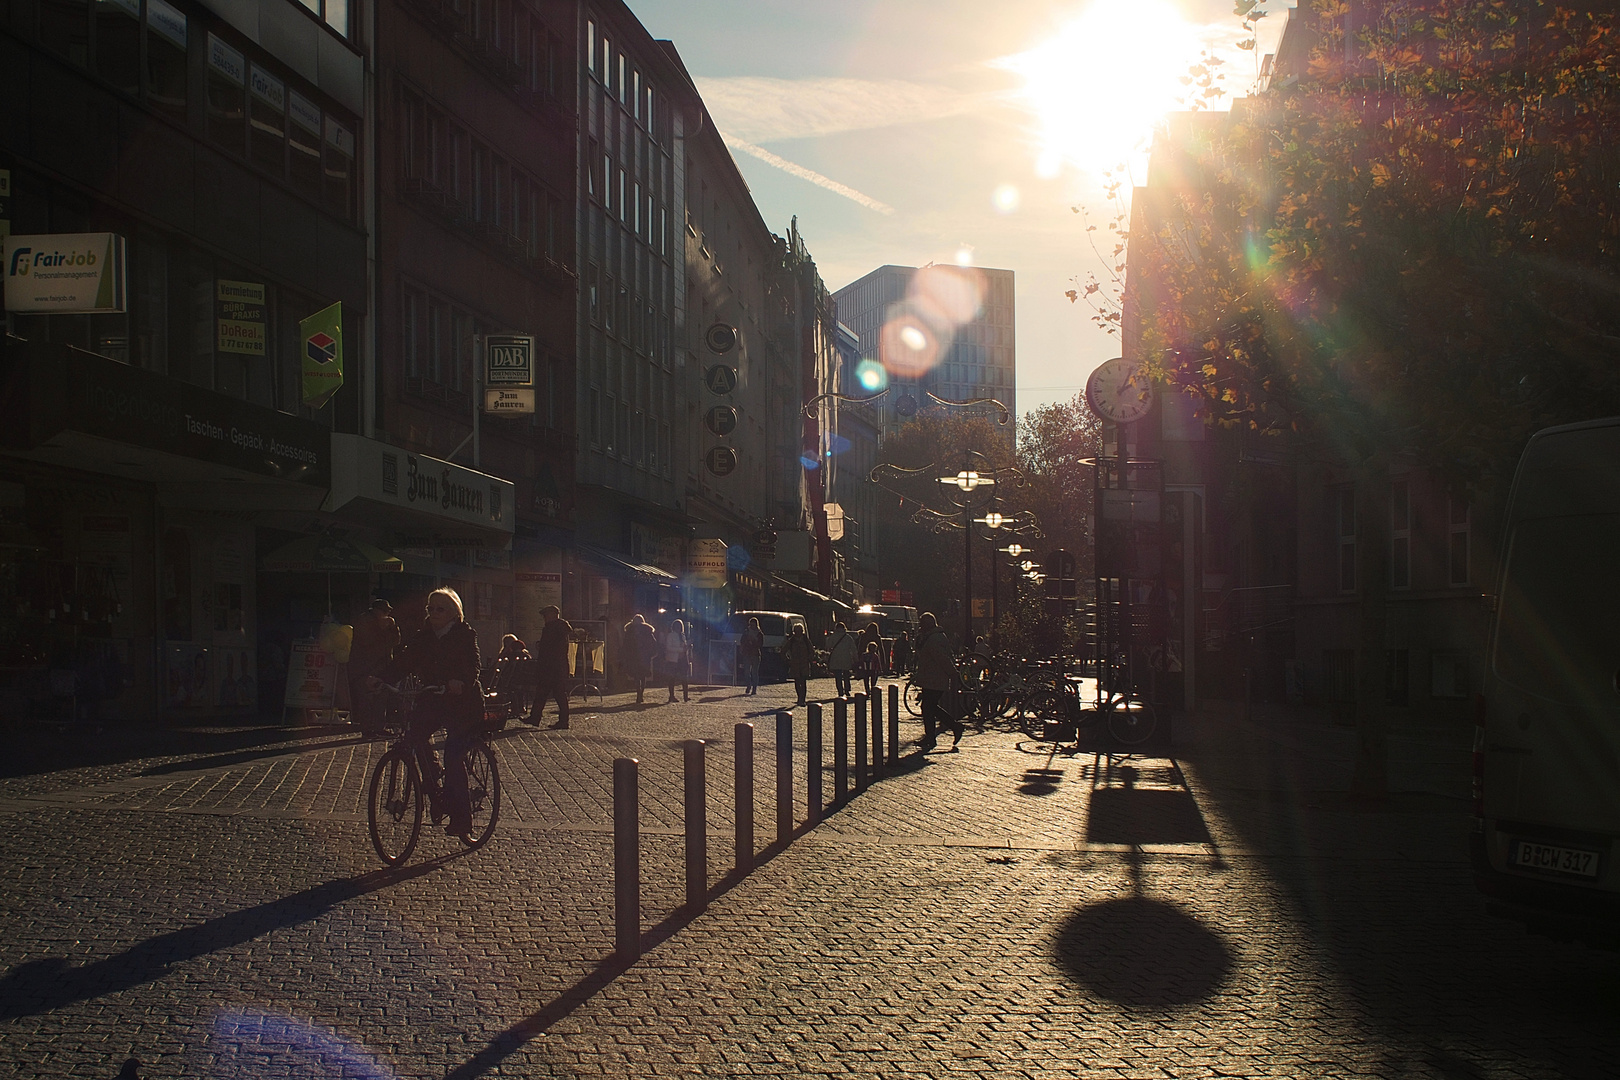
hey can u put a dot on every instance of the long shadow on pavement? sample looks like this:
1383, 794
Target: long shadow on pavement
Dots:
1387, 897
39, 986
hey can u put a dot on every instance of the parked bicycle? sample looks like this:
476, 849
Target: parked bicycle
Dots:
408, 782
1130, 720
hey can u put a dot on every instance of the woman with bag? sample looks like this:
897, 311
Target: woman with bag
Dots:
677, 665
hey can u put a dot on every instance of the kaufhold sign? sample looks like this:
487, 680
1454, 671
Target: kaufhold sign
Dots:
65, 273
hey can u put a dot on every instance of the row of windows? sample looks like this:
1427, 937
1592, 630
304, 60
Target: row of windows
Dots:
623, 196
251, 109
630, 318
1402, 524
631, 435
619, 76
508, 29
438, 350
443, 161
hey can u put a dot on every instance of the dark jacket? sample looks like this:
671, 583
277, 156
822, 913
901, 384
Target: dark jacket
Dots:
436, 661
551, 651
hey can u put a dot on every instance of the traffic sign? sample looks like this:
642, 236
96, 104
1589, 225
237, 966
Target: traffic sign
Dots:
720, 379
721, 460
721, 419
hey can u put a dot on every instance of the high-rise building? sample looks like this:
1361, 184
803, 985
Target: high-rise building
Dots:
941, 330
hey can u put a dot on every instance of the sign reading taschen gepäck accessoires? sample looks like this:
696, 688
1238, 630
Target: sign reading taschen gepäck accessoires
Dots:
65, 273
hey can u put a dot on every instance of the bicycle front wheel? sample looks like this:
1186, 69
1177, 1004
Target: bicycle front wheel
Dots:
913, 696
1041, 707
1131, 722
394, 806
483, 792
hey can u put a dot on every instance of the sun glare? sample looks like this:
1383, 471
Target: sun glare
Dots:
1100, 84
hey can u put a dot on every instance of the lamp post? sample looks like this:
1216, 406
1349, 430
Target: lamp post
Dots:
972, 487
994, 521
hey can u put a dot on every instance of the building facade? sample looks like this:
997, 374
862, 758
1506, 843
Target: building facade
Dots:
942, 330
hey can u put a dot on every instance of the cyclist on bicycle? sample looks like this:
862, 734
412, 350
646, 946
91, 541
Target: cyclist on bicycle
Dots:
444, 652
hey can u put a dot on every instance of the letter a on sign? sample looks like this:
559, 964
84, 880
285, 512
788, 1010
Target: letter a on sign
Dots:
322, 334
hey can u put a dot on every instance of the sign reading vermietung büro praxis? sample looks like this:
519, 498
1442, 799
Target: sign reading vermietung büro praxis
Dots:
80, 273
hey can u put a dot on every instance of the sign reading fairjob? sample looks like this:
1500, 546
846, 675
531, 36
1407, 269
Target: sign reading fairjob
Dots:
509, 360
66, 272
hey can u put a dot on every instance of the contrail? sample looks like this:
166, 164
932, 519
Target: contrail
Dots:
807, 174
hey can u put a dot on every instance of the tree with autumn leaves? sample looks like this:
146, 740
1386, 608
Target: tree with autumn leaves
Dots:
1406, 248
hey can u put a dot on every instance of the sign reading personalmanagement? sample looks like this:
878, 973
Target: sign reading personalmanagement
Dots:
65, 273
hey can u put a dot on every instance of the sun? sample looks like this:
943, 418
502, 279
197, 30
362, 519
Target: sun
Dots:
1100, 84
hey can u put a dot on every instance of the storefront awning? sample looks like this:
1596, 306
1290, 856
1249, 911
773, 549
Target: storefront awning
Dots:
653, 575
424, 501
88, 412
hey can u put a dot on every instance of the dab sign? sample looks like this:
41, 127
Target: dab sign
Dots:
509, 360
62, 273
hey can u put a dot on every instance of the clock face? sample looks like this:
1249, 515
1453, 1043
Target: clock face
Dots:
1119, 392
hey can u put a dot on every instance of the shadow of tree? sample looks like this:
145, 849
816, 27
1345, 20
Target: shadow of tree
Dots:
1142, 954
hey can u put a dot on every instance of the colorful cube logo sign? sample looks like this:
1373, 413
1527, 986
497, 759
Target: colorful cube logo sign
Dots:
323, 355
322, 348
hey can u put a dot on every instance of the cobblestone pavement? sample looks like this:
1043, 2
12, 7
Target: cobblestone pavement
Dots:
1005, 911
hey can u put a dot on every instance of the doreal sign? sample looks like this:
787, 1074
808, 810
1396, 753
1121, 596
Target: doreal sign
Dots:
65, 273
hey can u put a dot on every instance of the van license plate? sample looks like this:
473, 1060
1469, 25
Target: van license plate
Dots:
1555, 860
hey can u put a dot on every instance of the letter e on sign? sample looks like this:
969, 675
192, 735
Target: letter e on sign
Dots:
721, 460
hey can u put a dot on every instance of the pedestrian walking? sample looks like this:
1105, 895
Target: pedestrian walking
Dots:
640, 646
902, 654
842, 651
936, 673
677, 661
551, 654
798, 654
376, 636
871, 667
750, 647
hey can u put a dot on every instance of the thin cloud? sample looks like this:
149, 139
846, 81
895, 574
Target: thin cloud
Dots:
762, 110
806, 174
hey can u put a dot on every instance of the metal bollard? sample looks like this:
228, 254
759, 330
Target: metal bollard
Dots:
784, 776
894, 725
860, 743
697, 825
877, 735
840, 749
744, 814
626, 859
812, 763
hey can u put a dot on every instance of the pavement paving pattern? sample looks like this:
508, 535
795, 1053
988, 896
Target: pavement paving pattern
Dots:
1005, 911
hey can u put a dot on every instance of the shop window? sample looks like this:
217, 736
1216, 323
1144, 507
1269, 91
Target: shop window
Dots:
1397, 677
1400, 535
304, 146
267, 121
118, 43
64, 29
1345, 506
1458, 539
339, 169
166, 58
227, 106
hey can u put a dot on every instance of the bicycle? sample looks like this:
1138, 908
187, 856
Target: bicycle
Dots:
1130, 720
395, 800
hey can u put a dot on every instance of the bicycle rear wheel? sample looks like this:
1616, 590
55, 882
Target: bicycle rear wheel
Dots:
1041, 707
1130, 721
483, 792
394, 806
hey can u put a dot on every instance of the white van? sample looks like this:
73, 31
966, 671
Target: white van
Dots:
1547, 751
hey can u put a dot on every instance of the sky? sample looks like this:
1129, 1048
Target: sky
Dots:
917, 131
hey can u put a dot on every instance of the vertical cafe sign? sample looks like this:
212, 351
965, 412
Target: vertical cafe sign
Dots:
240, 318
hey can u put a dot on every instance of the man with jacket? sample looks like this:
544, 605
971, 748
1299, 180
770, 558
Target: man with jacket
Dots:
842, 650
799, 654
640, 646
936, 673
376, 636
551, 654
